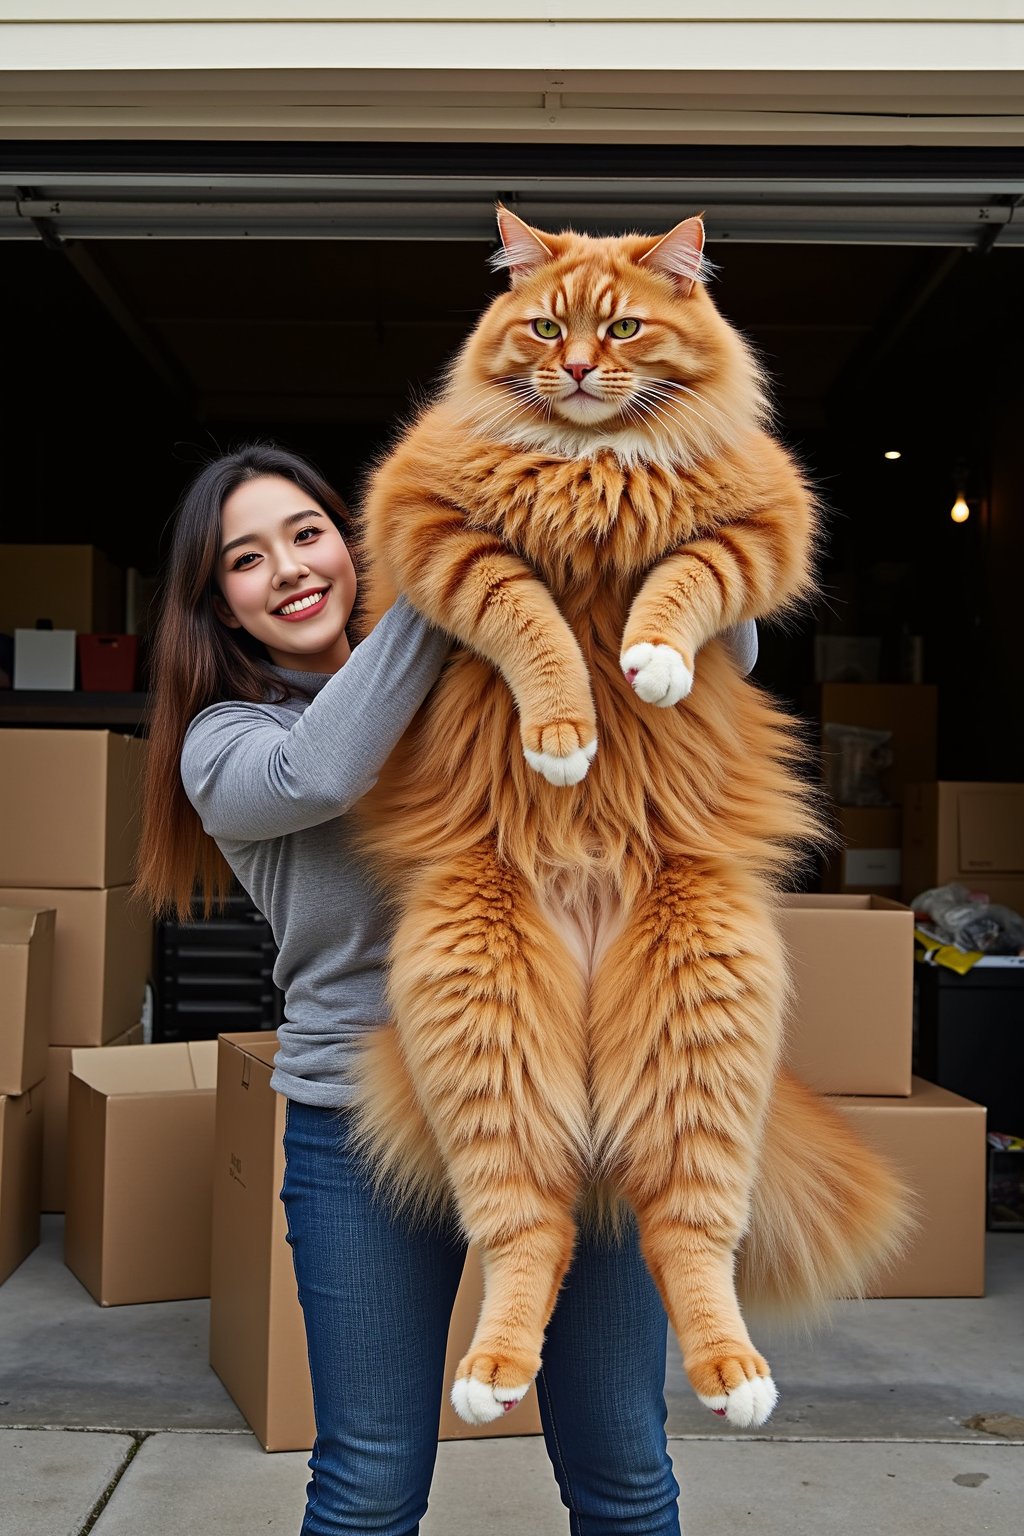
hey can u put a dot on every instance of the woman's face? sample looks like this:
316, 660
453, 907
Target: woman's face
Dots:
285, 575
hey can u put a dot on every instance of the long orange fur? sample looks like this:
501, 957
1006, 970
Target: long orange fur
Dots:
587, 980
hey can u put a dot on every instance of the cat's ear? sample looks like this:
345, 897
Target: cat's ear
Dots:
522, 249
679, 255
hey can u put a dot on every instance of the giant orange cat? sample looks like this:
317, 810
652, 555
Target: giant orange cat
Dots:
589, 820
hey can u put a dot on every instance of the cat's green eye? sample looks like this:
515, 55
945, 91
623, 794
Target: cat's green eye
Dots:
622, 330
546, 329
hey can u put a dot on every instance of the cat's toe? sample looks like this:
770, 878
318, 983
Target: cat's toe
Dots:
477, 1402
657, 673
747, 1405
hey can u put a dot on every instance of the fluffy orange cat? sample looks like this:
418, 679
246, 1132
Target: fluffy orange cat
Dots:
590, 817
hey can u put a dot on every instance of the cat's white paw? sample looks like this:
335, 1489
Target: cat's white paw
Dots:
562, 770
656, 673
477, 1403
746, 1406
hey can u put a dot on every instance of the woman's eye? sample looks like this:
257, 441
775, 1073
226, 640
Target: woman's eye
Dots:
311, 529
547, 330
239, 564
623, 329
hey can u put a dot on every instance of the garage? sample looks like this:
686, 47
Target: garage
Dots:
267, 247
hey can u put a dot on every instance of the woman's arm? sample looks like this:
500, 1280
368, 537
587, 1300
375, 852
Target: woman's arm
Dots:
249, 777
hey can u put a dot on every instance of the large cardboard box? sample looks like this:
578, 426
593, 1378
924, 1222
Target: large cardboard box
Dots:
55, 1117
140, 1162
257, 1339
26, 975
102, 953
909, 711
73, 585
850, 1029
870, 858
69, 807
971, 834
937, 1140
21, 1155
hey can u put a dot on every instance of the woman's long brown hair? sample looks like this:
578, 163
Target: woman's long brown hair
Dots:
198, 661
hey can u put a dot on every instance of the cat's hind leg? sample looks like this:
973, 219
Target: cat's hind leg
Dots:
685, 1022
489, 1005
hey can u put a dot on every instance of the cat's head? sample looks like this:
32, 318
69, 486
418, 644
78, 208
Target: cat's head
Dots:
607, 343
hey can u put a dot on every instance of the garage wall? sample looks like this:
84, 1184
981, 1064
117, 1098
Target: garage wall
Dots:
572, 71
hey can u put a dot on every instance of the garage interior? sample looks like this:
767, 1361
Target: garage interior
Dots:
152, 320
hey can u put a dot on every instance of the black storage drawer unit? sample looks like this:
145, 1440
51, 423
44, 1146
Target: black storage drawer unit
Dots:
970, 1038
215, 974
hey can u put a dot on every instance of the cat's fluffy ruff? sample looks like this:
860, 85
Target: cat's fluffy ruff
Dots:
587, 979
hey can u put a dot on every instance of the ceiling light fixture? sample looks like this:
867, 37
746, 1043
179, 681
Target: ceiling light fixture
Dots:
893, 453
960, 511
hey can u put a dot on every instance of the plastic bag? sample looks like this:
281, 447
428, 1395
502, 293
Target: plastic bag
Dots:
971, 921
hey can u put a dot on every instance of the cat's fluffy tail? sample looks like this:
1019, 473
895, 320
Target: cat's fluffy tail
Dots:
828, 1214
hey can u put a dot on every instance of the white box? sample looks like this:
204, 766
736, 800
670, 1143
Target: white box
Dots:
44, 658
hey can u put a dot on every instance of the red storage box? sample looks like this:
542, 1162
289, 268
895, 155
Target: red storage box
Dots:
106, 663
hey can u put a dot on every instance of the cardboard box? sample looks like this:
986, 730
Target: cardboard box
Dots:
909, 711
75, 586
971, 834
937, 1140
850, 1029
55, 1117
69, 807
871, 857
44, 659
26, 977
257, 1339
21, 1155
140, 1163
102, 953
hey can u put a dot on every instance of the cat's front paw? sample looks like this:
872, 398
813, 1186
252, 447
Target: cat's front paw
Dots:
656, 673
737, 1387
488, 1386
559, 753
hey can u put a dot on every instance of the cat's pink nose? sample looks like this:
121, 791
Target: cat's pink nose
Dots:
579, 371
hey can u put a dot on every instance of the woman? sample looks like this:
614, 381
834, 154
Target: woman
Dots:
266, 729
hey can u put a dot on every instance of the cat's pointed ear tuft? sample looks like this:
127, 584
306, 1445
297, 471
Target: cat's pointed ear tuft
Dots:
680, 255
522, 249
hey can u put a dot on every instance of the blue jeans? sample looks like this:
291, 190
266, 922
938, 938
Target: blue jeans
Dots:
377, 1296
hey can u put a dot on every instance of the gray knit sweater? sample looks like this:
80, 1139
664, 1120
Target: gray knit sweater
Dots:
272, 784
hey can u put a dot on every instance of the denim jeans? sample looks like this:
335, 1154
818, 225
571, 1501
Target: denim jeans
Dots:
377, 1295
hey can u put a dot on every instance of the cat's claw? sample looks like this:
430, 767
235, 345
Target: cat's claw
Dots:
657, 673
747, 1405
562, 770
477, 1402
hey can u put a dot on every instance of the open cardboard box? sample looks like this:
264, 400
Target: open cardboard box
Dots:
21, 1160
937, 1141
850, 1026
139, 1168
69, 807
102, 954
26, 980
257, 1340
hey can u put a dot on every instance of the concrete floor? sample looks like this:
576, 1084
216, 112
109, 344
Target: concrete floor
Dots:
869, 1437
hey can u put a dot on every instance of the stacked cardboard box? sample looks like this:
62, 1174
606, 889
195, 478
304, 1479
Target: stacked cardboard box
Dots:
26, 964
850, 1034
869, 860
69, 826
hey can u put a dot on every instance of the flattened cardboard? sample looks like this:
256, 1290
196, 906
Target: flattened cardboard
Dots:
968, 833
21, 1158
102, 953
140, 1162
257, 1339
55, 1118
26, 982
850, 1029
69, 808
937, 1140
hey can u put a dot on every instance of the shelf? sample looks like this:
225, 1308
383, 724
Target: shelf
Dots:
89, 711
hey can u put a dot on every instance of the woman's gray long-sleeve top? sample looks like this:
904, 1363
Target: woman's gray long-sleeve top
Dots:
272, 784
